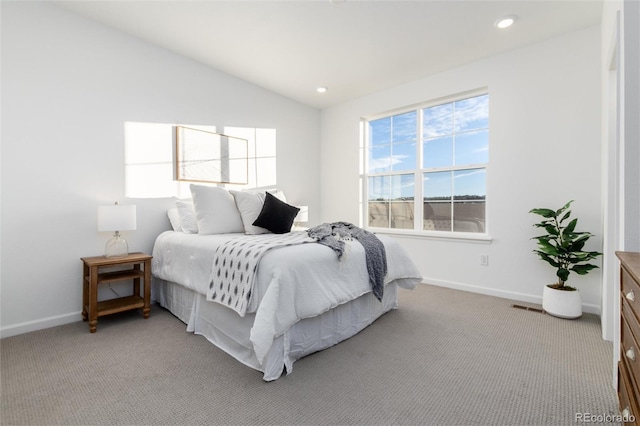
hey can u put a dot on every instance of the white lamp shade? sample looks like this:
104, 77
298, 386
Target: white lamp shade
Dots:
303, 214
116, 218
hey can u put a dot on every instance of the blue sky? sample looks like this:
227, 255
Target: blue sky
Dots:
454, 134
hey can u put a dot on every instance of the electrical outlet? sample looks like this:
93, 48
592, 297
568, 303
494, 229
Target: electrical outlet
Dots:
484, 260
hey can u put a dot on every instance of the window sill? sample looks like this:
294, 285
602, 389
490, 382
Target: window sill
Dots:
435, 235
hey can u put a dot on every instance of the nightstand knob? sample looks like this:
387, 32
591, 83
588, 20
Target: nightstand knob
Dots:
631, 296
631, 354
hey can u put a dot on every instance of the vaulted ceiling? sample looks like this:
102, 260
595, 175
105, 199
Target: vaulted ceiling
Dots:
351, 47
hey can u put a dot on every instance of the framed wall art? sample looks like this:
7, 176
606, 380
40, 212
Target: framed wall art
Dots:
204, 156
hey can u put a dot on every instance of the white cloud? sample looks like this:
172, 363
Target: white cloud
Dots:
383, 163
439, 120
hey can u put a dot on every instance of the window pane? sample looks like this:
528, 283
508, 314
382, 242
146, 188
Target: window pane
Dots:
469, 184
437, 186
472, 148
437, 216
391, 201
402, 187
380, 131
404, 127
469, 216
379, 159
472, 113
438, 152
437, 209
379, 188
469, 196
402, 214
437, 120
404, 156
379, 214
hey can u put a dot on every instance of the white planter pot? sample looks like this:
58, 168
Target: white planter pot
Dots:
562, 303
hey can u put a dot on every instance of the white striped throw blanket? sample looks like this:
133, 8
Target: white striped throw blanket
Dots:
236, 262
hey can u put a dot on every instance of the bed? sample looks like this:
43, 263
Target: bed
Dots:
303, 298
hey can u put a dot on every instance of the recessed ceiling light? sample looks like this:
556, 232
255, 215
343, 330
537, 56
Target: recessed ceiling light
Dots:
506, 21
322, 89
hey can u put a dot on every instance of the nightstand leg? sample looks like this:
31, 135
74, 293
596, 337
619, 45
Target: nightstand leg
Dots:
136, 281
93, 299
147, 289
85, 292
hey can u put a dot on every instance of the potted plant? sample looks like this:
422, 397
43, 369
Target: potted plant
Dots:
563, 248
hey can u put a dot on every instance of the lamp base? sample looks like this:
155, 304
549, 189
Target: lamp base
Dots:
116, 247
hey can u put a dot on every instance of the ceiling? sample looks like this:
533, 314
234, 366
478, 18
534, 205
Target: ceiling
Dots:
352, 47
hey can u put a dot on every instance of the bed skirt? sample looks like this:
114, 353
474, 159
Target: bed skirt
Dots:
228, 331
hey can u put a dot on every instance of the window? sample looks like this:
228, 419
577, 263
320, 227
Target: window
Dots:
426, 167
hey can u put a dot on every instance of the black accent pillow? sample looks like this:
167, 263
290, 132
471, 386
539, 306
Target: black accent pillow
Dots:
276, 215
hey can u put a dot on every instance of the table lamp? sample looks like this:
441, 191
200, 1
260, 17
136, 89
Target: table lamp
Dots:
116, 218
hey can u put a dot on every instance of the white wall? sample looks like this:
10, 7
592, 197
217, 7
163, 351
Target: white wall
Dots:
68, 86
544, 150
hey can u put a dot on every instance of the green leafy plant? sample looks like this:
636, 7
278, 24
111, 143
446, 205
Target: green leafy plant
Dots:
562, 246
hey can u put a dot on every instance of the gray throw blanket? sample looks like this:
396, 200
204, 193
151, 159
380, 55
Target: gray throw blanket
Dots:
333, 235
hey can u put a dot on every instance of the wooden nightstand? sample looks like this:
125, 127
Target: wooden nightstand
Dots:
134, 266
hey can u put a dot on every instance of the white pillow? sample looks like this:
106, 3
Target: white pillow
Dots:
279, 194
174, 219
187, 213
216, 210
250, 204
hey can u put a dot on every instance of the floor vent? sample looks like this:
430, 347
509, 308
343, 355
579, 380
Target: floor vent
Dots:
528, 308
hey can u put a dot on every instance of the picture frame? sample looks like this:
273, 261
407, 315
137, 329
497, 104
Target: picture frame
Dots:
205, 156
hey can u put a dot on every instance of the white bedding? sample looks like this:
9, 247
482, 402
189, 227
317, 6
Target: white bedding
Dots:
229, 332
293, 283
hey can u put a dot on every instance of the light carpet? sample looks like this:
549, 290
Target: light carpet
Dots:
445, 357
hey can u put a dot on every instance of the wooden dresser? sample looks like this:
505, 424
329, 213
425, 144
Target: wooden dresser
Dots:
629, 365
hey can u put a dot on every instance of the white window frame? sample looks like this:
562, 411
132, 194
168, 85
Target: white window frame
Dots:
418, 173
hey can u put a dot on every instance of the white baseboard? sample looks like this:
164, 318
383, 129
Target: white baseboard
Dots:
521, 297
40, 324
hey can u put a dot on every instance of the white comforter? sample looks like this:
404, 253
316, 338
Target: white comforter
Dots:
293, 283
